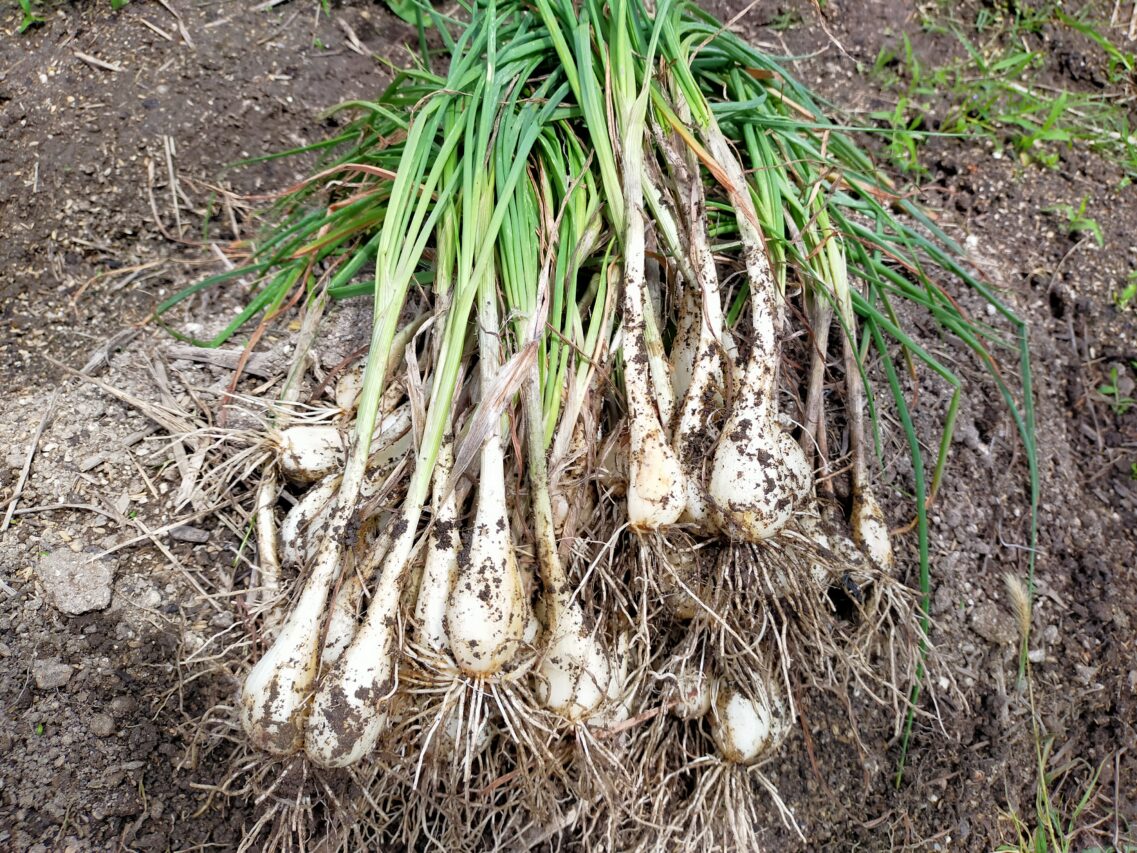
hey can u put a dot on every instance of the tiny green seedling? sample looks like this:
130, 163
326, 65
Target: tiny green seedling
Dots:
905, 135
1111, 390
1078, 223
785, 20
31, 19
1128, 293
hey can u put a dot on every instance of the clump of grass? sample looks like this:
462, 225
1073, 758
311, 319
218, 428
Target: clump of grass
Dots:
994, 91
593, 440
1057, 821
30, 19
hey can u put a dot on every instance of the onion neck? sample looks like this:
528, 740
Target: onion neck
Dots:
548, 559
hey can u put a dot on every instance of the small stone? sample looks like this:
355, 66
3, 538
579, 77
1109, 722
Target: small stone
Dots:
1085, 673
102, 725
122, 706
186, 533
221, 620
151, 841
74, 582
92, 461
991, 623
943, 600
51, 674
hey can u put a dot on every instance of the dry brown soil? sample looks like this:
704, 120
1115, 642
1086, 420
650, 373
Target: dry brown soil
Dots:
97, 710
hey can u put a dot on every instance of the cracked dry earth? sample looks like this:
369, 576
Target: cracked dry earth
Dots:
113, 602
